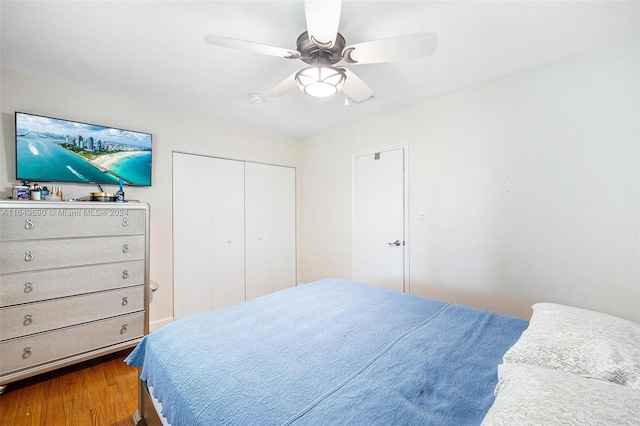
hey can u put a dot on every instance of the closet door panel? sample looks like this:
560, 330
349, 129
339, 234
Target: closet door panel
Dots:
258, 239
192, 236
283, 214
270, 229
227, 193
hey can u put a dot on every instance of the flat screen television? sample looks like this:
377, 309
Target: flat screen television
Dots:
56, 150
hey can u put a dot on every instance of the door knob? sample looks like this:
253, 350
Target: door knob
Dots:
395, 243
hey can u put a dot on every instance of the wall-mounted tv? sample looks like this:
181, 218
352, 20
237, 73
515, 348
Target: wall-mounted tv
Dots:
56, 150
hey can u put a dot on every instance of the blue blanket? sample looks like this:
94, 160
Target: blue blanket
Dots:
333, 352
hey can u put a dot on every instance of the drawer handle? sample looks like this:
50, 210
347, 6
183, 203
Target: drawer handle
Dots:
125, 274
125, 302
125, 221
26, 352
27, 320
125, 248
28, 287
123, 329
28, 224
28, 255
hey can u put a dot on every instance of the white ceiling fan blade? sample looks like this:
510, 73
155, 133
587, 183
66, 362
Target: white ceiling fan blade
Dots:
323, 19
356, 89
284, 86
250, 46
391, 49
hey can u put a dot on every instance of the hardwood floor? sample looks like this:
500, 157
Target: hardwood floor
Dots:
100, 392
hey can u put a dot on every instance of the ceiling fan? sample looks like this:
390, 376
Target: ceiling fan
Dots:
322, 47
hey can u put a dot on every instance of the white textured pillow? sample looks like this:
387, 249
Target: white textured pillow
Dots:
581, 342
532, 395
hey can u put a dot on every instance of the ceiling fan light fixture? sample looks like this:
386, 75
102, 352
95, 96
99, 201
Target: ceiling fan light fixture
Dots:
321, 80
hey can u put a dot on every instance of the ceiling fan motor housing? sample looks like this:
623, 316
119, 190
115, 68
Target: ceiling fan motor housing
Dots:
310, 52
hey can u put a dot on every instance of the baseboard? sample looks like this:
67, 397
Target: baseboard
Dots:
155, 325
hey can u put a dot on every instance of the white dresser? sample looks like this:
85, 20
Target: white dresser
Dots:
74, 280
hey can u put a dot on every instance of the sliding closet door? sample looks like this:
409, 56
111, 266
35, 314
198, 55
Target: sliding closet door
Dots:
227, 187
283, 213
234, 232
208, 233
190, 294
270, 229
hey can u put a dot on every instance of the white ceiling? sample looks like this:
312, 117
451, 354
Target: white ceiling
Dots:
153, 51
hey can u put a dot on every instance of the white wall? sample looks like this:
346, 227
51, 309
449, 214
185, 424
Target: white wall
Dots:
173, 130
531, 184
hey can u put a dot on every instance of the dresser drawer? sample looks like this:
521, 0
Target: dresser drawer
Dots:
34, 221
27, 287
21, 320
30, 351
22, 256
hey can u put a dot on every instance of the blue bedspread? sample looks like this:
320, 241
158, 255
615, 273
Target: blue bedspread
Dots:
329, 353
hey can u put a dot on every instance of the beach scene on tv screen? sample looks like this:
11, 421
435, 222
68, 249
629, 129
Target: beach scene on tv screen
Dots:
55, 150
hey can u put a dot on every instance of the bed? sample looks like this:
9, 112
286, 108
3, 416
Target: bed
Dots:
333, 352
337, 352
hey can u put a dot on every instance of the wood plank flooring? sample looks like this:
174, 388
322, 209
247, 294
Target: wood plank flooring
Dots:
99, 392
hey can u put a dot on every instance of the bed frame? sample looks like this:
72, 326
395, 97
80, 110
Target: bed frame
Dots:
146, 414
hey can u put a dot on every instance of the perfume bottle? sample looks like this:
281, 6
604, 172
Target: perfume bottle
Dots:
120, 193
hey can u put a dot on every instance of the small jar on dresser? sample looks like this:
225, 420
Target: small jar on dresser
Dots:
74, 283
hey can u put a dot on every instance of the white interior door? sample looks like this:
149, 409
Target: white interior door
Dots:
258, 239
284, 227
208, 233
192, 242
227, 191
380, 219
270, 224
